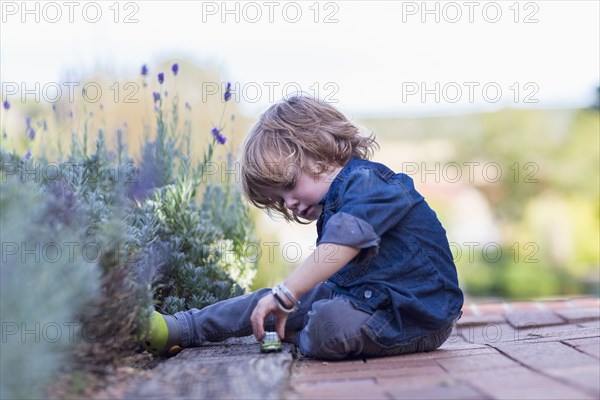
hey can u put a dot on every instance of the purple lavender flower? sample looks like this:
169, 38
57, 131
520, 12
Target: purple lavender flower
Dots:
144, 71
227, 94
156, 96
161, 77
149, 175
218, 136
175, 68
6, 105
27, 155
31, 133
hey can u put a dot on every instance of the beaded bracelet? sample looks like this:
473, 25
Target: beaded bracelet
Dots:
280, 302
277, 291
289, 295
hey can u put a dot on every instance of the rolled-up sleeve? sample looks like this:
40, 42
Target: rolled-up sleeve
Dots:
369, 205
347, 230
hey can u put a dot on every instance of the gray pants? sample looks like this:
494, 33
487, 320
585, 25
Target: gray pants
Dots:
324, 326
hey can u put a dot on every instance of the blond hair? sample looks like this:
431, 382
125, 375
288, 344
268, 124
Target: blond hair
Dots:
297, 134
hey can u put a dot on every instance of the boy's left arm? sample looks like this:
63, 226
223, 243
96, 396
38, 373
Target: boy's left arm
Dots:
325, 261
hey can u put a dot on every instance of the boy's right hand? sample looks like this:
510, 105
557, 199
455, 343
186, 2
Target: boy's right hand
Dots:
266, 306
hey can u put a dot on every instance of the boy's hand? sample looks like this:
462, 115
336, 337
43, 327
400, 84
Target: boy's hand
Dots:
266, 306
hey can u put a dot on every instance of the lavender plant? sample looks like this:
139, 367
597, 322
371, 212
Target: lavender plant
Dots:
168, 237
44, 287
197, 247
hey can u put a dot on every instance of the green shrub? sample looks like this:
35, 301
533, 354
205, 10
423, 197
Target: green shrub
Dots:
44, 287
163, 234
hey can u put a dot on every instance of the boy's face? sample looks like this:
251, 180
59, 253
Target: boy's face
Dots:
302, 197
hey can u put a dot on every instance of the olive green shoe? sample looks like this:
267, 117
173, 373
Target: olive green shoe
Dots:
163, 337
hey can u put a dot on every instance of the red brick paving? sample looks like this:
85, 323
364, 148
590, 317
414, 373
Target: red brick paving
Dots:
535, 317
521, 350
590, 346
580, 314
520, 383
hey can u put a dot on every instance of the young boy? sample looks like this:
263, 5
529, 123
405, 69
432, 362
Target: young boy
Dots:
382, 279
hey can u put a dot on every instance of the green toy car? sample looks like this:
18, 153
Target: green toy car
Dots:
270, 343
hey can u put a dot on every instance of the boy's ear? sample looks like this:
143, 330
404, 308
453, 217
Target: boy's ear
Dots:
318, 167
291, 171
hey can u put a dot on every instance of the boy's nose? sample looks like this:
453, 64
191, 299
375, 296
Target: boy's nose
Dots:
291, 204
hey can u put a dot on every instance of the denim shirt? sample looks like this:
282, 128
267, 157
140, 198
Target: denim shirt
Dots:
404, 274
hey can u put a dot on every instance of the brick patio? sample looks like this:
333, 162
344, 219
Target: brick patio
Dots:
526, 350
500, 350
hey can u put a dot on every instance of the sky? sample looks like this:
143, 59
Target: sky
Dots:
373, 58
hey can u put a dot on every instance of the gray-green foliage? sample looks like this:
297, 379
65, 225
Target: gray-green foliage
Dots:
64, 266
197, 248
44, 287
132, 235
191, 231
